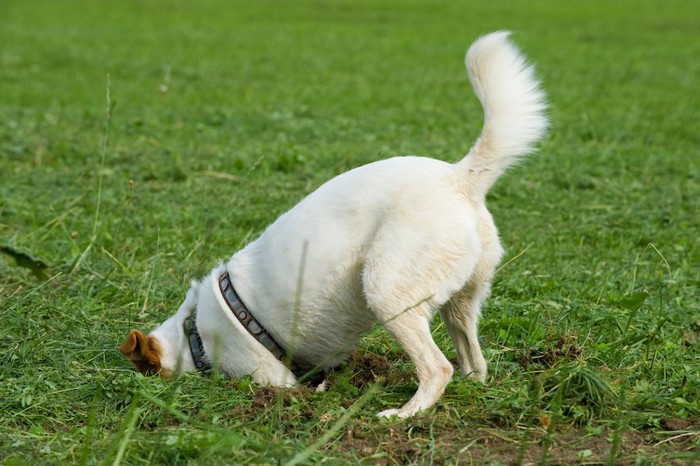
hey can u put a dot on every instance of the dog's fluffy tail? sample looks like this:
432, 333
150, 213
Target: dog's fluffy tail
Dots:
514, 110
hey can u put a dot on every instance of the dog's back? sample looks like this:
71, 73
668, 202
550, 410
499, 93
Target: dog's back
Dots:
394, 213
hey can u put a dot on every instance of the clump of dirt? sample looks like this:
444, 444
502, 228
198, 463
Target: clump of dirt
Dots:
366, 367
672, 423
565, 348
265, 397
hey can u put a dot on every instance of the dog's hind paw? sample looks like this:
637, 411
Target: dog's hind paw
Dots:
323, 386
388, 413
479, 376
400, 413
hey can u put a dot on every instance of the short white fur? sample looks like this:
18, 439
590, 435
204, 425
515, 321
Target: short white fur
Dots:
387, 242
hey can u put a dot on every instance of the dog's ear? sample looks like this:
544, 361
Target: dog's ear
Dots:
143, 351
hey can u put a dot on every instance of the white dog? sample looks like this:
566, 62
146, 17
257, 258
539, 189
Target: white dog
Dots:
389, 242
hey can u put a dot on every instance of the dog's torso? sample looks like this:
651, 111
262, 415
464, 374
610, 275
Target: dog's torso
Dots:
387, 242
312, 259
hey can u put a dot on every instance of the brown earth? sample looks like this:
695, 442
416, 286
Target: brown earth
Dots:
403, 444
434, 438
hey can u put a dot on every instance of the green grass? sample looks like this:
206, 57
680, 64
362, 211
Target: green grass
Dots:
222, 115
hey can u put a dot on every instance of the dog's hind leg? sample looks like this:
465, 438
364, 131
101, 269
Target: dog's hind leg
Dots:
412, 331
461, 313
410, 270
461, 317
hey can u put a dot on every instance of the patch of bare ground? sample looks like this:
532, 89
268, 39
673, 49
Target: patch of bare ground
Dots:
366, 368
421, 440
436, 439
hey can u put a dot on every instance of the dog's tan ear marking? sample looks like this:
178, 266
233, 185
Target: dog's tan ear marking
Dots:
143, 351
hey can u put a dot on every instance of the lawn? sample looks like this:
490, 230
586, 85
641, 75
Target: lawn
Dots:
143, 142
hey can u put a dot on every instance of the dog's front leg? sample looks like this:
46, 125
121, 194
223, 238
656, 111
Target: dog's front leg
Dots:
412, 330
274, 374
